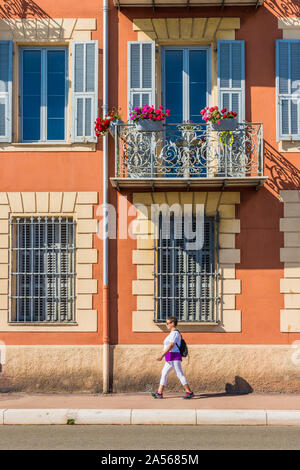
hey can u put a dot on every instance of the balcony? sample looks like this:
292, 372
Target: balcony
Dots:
188, 156
187, 3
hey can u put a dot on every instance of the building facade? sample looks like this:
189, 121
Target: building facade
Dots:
64, 325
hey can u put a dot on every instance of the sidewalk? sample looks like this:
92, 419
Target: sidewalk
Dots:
205, 408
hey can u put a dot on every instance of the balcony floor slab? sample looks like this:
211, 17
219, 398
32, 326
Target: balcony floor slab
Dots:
187, 183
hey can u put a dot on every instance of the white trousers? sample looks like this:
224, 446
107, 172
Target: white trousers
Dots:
176, 365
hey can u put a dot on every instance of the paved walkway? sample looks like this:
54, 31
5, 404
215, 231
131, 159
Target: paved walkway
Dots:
141, 409
215, 401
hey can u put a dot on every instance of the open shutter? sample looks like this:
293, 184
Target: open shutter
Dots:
141, 74
6, 52
84, 90
288, 89
231, 77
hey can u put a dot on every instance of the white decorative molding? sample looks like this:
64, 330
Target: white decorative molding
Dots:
81, 206
143, 257
47, 29
290, 256
290, 27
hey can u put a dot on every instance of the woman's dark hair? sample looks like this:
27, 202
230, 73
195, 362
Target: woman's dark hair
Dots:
173, 319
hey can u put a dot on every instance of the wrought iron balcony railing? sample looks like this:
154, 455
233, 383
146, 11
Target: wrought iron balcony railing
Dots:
188, 153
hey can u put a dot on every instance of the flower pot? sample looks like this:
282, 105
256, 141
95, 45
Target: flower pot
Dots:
149, 125
225, 125
112, 127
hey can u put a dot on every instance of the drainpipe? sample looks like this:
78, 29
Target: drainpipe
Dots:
106, 338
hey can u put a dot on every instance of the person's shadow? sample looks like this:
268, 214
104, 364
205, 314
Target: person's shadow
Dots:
239, 387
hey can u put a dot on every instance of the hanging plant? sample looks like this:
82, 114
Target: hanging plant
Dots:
150, 113
102, 124
214, 115
220, 119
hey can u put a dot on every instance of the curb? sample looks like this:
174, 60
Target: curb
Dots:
151, 417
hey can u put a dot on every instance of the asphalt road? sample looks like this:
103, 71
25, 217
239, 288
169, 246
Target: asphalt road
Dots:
79, 437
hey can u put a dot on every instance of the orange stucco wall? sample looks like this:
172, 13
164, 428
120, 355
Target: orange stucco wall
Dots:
260, 240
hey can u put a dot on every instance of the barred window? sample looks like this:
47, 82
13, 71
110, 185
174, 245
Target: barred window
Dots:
186, 281
42, 269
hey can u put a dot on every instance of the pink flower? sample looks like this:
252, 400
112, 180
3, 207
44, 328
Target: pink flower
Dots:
219, 122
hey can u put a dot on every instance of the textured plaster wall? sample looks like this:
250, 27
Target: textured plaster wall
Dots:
211, 368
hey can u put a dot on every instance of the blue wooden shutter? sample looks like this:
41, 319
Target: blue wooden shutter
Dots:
288, 89
84, 91
231, 77
141, 74
6, 53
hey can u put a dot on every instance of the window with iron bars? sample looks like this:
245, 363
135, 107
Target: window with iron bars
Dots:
187, 280
42, 269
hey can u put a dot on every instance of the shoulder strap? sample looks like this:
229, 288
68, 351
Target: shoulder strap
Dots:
181, 338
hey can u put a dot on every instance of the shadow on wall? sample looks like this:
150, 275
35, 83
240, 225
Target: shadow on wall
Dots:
21, 9
239, 387
284, 8
283, 174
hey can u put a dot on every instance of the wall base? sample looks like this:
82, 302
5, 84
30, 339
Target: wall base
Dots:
211, 368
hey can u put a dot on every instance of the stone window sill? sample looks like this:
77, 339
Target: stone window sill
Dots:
289, 146
42, 324
48, 147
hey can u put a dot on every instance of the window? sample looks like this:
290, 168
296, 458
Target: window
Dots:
186, 78
288, 89
43, 94
42, 269
185, 72
186, 280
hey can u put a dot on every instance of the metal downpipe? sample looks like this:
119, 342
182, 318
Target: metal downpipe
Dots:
106, 339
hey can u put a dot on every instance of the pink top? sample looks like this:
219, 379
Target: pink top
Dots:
173, 356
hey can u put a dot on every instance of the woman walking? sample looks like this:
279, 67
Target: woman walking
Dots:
173, 360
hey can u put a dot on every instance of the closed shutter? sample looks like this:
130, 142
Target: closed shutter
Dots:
6, 53
84, 91
141, 74
288, 89
231, 77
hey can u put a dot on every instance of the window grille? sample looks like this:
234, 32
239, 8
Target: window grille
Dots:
187, 281
42, 269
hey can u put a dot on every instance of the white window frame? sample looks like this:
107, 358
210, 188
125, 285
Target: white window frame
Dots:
43, 115
185, 88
